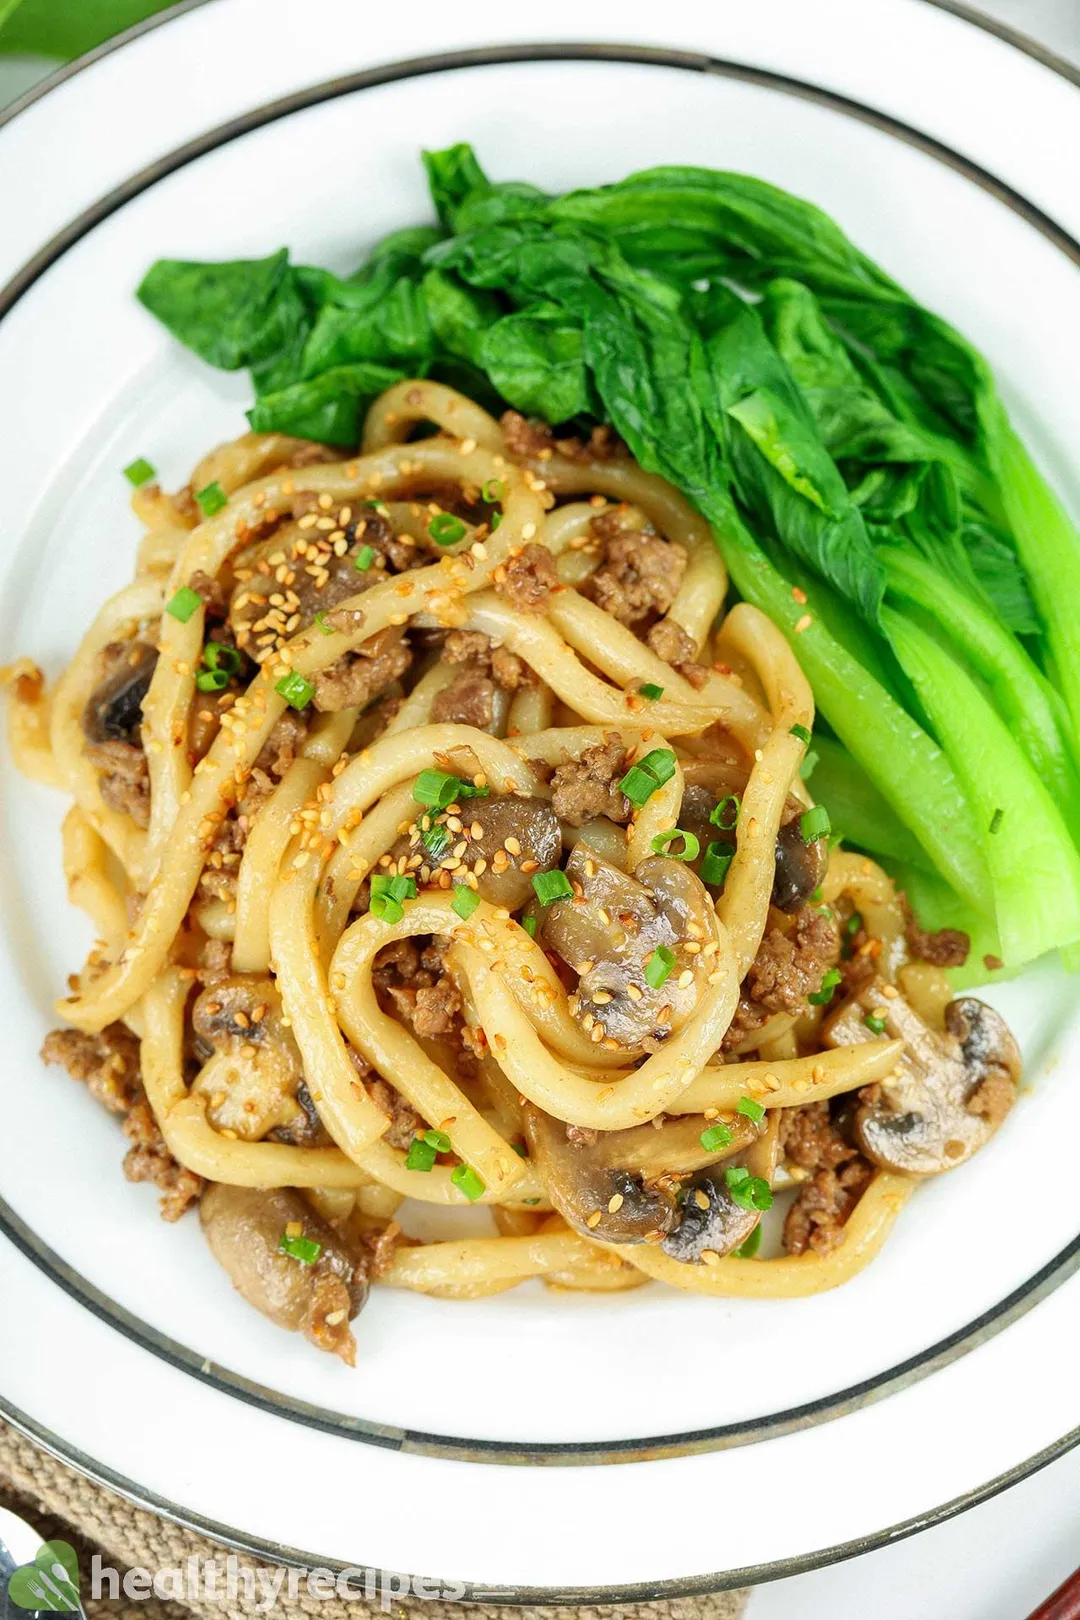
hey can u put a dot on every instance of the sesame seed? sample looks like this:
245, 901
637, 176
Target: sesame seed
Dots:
594, 1219
803, 624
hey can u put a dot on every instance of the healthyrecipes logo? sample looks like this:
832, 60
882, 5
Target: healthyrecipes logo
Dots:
51, 1582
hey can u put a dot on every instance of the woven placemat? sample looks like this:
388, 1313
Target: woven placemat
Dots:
63, 1504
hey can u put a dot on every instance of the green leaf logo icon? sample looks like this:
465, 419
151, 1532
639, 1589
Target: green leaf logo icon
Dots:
50, 1582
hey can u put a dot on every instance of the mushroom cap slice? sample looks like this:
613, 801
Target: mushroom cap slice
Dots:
610, 928
583, 1188
800, 867
532, 825
253, 1078
712, 1222
949, 1092
244, 1227
113, 711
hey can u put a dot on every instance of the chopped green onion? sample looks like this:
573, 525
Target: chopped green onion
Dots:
747, 1250
802, 733
466, 1179
386, 908
377, 506
822, 997
690, 850
642, 780
716, 1136
660, 762
438, 1140
436, 789
139, 472
465, 901
815, 824
436, 840
398, 886
492, 491
853, 924
996, 819
751, 1109
658, 967
216, 655
496, 519
726, 814
211, 680
211, 499
749, 1192
651, 691
529, 925
874, 1023
320, 620
638, 785
446, 529
295, 689
551, 886
421, 1155
364, 559
714, 868
810, 760
818, 895
306, 1250
184, 604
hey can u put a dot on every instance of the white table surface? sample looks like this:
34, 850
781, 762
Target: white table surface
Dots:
1000, 1560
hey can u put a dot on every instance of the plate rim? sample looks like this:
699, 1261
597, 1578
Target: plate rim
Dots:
1056, 1271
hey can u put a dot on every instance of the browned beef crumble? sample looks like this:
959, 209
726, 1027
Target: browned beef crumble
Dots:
528, 579
412, 981
669, 641
469, 700
789, 965
944, 947
588, 787
361, 675
404, 1120
124, 778
108, 1064
490, 657
640, 572
838, 1177
528, 439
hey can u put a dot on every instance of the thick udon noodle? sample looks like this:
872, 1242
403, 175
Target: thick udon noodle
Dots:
336, 812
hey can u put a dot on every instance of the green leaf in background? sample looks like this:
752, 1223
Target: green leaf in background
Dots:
67, 28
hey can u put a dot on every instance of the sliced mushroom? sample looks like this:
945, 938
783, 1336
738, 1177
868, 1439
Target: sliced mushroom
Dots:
518, 837
800, 867
713, 1223
253, 1079
244, 1227
113, 712
608, 1204
610, 929
949, 1092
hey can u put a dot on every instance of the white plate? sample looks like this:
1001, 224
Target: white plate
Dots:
753, 1405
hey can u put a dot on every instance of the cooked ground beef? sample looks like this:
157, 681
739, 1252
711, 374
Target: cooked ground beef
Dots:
588, 787
124, 778
839, 1176
359, 676
404, 1120
790, 963
413, 980
945, 947
382, 1244
532, 440
640, 573
473, 647
993, 1097
212, 592
108, 1064
283, 744
469, 700
528, 579
669, 641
